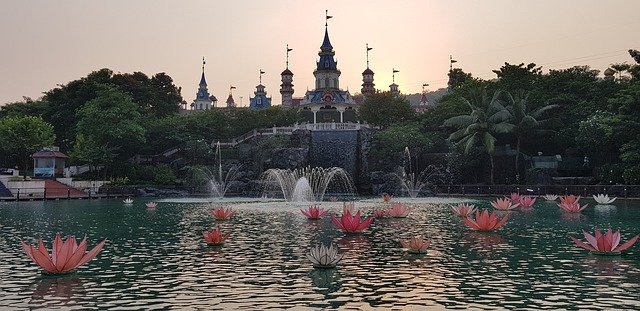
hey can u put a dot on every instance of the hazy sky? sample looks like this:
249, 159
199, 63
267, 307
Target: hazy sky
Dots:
46, 43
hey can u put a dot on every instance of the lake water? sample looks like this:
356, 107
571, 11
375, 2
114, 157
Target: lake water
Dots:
157, 259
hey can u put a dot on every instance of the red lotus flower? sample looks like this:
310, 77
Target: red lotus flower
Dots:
504, 204
572, 207
399, 210
417, 244
380, 213
485, 221
65, 256
608, 243
570, 199
351, 223
215, 237
314, 212
526, 201
463, 210
386, 197
222, 213
515, 197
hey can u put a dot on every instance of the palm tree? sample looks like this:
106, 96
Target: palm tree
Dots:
488, 117
527, 120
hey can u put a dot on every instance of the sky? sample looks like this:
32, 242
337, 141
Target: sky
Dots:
49, 43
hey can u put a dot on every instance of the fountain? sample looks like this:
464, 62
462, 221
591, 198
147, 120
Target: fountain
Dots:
411, 183
307, 184
217, 183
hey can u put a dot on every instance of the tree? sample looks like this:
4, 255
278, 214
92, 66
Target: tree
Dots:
20, 137
517, 77
457, 78
28, 107
488, 117
111, 121
384, 109
527, 120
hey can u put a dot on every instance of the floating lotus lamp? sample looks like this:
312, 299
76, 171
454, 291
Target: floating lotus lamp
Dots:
65, 256
349, 207
351, 223
572, 207
504, 204
151, 204
550, 197
215, 237
605, 244
398, 210
313, 212
380, 213
128, 201
386, 197
463, 210
324, 257
569, 199
603, 199
417, 244
222, 213
515, 197
485, 221
527, 201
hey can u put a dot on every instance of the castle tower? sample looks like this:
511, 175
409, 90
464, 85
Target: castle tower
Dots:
260, 100
231, 103
395, 92
286, 88
326, 72
204, 100
368, 88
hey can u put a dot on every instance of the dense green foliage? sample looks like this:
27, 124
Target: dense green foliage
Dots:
384, 109
20, 137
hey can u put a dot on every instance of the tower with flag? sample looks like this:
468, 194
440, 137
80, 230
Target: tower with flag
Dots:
395, 92
368, 87
203, 100
286, 88
231, 103
260, 100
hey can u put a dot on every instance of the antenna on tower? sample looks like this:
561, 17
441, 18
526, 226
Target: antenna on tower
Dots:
368, 49
203, 62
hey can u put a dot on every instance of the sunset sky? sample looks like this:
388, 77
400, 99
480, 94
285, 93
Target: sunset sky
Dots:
46, 43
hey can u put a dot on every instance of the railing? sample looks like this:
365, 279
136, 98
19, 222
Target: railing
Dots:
41, 193
625, 191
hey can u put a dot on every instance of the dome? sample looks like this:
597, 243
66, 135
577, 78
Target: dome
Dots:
287, 72
367, 72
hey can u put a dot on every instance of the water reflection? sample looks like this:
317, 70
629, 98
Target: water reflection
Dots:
63, 289
605, 210
573, 217
328, 280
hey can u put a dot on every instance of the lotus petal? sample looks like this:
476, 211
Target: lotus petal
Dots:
313, 212
65, 256
399, 210
504, 204
603, 199
551, 197
463, 210
417, 244
607, 243
324, 257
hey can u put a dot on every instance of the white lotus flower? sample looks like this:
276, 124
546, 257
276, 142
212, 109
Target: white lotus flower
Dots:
603, 199
324, 257
127, 201
550, 197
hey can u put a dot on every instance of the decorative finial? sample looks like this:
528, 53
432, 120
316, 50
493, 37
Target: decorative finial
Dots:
261, 73
393, 74
288, 50
203, 62
423, 86
451, 61
231, 87
326, 18
368, 49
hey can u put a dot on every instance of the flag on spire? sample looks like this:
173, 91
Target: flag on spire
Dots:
232, 87
368, 48
261, 72
288, 49
394, 71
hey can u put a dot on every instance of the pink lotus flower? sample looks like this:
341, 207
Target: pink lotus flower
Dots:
380, 213
349, 208
222, 213
386, 197
515, 197
572, 207
485, 221
504, 204
215, 237
399, 210
351, 223
151, 204
569, 199
608, 243
527, 201
65, 256
463, 210
417, 244
314, 212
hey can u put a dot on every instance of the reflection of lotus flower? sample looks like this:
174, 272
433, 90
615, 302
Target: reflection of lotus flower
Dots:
603, 199
127, 201
485, 221
550, 197
607, 243
417, 244
504, 204
569, 199
324, 257
215, 237
349, 208
380, 213
351, 223
572, 207
386, 197
65, 256
314, 212
463, 210
151, 204
399, 210
515, 197
527, 201
222, 213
